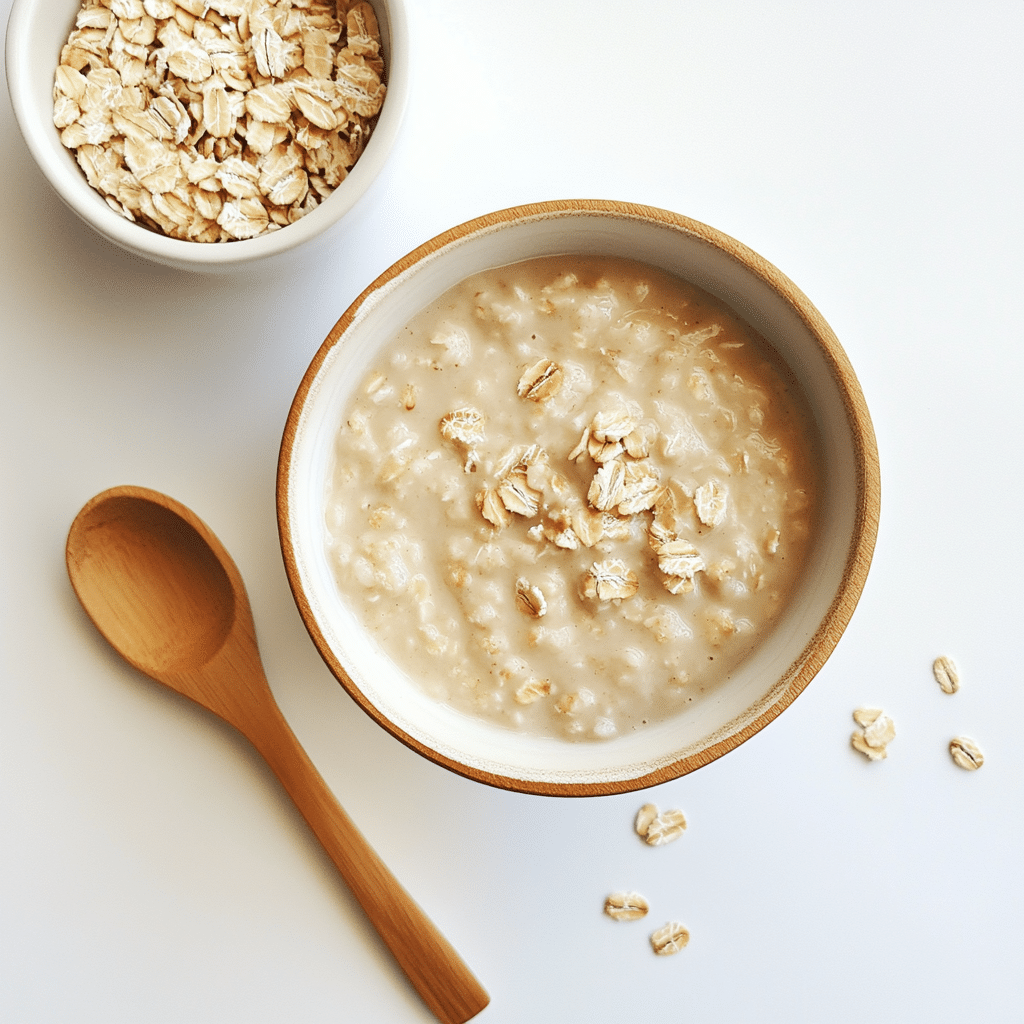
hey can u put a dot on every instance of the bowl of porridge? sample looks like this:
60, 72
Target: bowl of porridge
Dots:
577, 497
207, 135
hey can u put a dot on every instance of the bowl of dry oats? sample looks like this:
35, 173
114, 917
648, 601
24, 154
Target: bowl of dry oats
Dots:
206, 134
578, 496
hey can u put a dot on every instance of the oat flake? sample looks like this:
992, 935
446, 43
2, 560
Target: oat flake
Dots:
644, 817
670, 939
966, 753
530, 599
946, 674
608, 487
532, 690
710, 503
626, 906
610, 580
876, 732
665, 828
540, 381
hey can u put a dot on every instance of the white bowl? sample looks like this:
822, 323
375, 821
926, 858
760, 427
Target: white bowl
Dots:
785, 660
36, 32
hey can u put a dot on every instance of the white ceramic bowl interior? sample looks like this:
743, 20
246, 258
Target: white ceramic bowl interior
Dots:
36, 33
785, 660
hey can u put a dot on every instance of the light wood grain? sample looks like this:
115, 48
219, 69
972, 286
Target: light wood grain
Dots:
165, 593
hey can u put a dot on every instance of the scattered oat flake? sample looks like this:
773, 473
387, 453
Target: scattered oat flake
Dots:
865, 716
669, 939
871, 753
946, 674
966, 753
626, 906
644, 817
879, 732
876, 732
615, 527
665, 828
217, 113
317, 53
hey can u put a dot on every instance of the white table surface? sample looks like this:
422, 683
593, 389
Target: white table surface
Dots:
151, 870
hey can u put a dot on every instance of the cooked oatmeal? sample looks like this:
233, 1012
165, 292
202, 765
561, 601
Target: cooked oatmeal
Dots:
572, 495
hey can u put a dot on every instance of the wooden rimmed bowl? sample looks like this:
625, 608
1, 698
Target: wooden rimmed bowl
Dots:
783, 662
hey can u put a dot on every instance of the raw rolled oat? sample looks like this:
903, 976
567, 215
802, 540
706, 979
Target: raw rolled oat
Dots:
670, 939
221, 120
657, 828
626, 906
644, 817
946, 674
966, 753
876, 732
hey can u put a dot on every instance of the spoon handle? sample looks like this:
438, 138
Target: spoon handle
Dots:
436, 971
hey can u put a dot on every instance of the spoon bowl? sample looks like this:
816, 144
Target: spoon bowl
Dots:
165, 593
181, 585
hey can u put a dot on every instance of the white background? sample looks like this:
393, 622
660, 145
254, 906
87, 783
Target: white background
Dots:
151, 870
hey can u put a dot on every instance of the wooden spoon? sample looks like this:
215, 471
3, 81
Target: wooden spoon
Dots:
161, 588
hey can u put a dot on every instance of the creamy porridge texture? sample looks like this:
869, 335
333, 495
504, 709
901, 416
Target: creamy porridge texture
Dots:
572, 495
